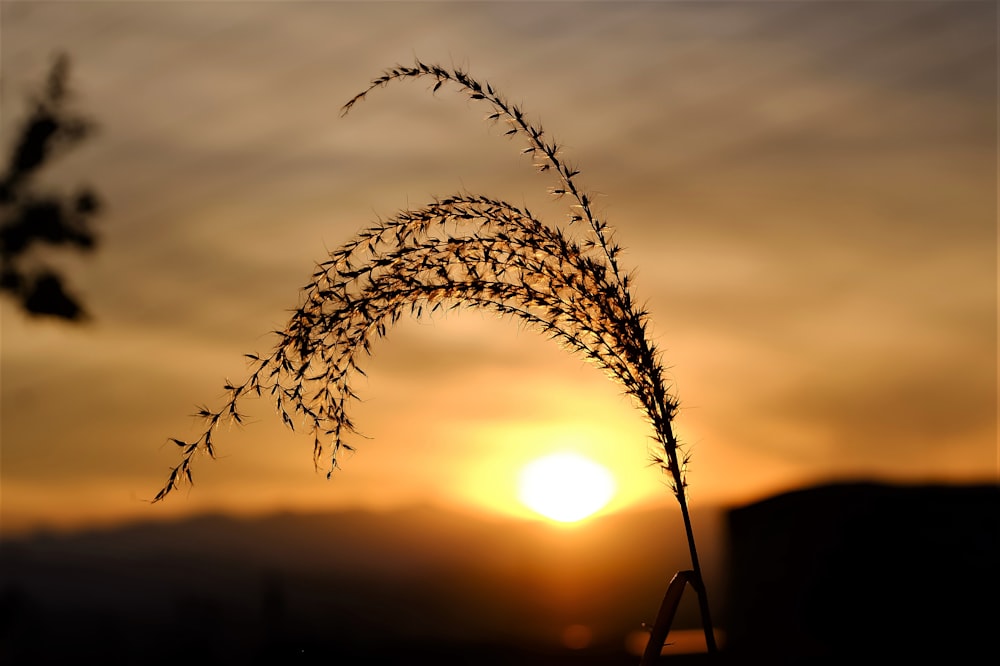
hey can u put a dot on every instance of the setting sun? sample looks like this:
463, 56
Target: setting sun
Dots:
565, 487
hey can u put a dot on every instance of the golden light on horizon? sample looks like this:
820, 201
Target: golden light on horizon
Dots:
565, 487
503, 450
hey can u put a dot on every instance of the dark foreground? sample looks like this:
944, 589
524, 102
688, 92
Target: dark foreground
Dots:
828, 575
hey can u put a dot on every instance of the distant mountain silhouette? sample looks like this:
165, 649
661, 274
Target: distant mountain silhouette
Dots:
379, 586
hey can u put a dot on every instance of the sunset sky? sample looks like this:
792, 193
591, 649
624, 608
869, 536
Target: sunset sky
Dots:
807, 192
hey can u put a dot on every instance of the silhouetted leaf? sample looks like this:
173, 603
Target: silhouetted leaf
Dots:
46, 297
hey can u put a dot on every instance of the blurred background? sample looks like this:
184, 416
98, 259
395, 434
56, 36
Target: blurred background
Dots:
806, 190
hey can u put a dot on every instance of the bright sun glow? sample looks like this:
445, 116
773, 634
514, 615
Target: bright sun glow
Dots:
565, 487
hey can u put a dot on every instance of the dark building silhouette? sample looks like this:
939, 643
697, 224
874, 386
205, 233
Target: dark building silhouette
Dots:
833, 574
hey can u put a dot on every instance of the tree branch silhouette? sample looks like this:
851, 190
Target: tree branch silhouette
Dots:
32, 218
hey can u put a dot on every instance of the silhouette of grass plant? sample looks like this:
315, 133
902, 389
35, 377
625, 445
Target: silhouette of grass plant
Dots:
464, 250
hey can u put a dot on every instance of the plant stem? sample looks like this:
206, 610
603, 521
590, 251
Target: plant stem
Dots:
698, 583
665, 618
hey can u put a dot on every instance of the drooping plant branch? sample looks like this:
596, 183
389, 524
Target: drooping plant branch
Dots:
461, 251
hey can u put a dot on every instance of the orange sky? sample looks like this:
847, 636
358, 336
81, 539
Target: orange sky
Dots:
808, 193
